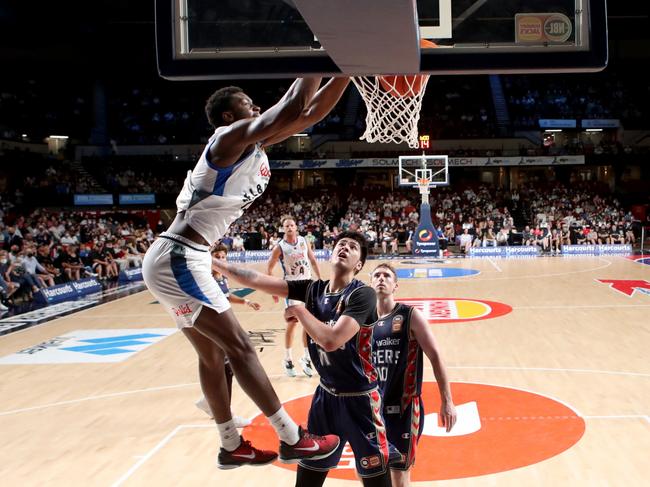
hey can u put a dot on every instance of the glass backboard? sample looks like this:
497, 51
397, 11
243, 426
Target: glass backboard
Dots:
231, 39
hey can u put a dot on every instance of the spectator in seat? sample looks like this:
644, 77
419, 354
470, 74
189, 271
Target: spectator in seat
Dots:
603, 234
489, 239
34, 269
465, 241
71, 263
503, 236
7, 286
237, 243
616, 235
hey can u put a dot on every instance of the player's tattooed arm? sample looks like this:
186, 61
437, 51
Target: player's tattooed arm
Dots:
251, 278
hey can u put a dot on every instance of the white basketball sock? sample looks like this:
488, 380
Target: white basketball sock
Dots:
285, 427
287, 354
230, 438
306, 354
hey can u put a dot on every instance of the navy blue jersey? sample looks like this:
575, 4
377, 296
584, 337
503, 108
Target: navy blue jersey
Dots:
397, 356
348, 369
223, 285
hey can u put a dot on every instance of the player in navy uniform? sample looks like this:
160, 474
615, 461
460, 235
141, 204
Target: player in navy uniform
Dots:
232, 171
401, 335
338, 316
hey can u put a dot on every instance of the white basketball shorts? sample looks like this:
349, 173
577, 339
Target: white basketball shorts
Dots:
178, 273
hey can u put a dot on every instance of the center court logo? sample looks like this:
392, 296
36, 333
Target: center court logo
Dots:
425, 235
527, 427
455, 310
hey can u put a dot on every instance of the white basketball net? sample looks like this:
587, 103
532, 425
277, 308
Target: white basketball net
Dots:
392, 118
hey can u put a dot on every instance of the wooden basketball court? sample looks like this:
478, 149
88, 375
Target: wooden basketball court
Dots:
570, 340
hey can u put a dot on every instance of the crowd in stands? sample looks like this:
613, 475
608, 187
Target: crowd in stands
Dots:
484, 216
45, 248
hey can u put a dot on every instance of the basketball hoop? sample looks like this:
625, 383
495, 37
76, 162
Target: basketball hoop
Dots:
393, 104
423, 179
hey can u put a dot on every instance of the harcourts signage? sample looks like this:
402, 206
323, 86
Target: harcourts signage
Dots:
503, 251
68, 291
263, 255
130, 275
597, 249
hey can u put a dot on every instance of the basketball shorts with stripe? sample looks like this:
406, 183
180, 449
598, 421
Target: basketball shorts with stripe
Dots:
404, 430
178, 273
355, 419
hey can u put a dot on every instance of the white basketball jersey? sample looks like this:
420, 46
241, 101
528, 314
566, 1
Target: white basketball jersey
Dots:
294, 259
214, 197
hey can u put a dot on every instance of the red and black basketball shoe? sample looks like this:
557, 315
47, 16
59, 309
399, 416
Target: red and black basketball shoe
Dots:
245, 454
309, 447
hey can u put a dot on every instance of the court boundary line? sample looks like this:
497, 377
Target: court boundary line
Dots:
538, 276
108, 396
584, 306
276, 376
548, 369
494, 264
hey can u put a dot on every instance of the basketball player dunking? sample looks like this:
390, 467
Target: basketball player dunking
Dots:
400, 336
231, 173
338, 316
297, 258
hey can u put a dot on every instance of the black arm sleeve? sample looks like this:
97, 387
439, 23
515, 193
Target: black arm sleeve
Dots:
361, 305
298, 289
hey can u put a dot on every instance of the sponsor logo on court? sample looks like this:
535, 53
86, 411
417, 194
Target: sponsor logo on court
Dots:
89, 346
435, 272
425, 235
528, 427
628, 287
640, 259
455, 310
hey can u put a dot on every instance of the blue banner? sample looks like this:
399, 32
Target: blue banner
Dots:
68, 291
93, 199
505, 251
557, 123
425, 238
130, 275
620, 249
601, 123
138, 199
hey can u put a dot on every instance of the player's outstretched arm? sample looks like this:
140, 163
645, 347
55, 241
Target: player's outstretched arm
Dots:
251, 278
319, 106
313, 261
427, 342
233, 139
